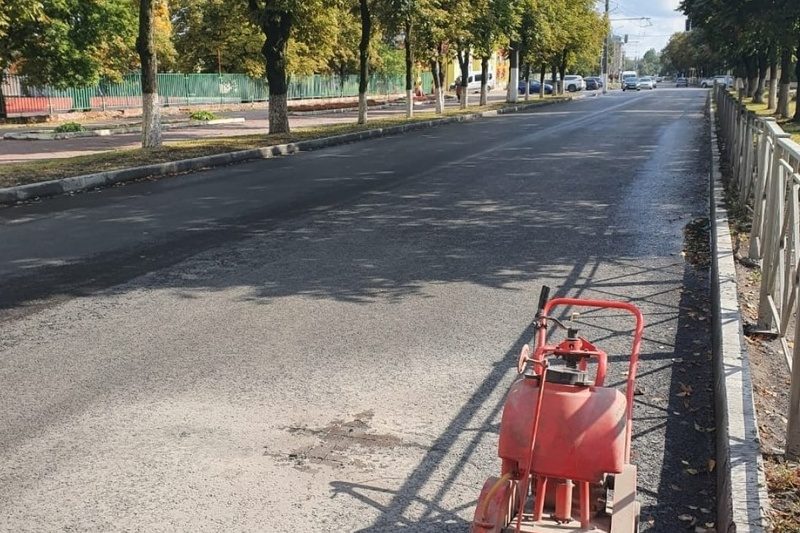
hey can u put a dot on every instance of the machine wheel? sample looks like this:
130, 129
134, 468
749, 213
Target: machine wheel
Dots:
496, 507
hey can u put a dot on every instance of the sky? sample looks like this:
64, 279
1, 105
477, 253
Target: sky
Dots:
642, 34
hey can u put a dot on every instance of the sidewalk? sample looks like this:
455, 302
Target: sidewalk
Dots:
16, 151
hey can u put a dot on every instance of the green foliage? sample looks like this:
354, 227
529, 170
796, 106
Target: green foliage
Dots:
212, 35
650, 64
690, 50
202, 115
65, 42
69, 127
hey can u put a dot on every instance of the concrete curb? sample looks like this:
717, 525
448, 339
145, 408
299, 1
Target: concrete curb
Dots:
742, 500
104, 132
20, 193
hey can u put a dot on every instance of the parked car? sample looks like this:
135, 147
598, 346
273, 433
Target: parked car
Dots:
474, 82
659, 79
534, 87
725, 81
646, 82
593, 84
631, 84
574, 83
682, 82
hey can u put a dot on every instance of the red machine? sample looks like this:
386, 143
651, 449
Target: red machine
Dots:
562, 431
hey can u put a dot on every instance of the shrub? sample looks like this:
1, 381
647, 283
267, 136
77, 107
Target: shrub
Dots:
69, 127
202, 115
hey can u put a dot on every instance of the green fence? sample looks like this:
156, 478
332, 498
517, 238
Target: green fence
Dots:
21, 99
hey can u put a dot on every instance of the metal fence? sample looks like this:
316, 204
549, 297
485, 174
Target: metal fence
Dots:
22, 99
765, 168
765, 174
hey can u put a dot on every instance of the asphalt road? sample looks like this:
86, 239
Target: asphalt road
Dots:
323, 342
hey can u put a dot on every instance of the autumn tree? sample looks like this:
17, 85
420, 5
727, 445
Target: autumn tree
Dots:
495, 22
145, 45
209, 36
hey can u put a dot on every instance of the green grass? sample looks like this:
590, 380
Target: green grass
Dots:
49, 169
787, 125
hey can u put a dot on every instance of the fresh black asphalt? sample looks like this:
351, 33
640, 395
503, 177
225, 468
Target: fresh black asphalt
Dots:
176, 354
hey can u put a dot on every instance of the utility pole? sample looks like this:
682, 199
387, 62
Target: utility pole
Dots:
606, 46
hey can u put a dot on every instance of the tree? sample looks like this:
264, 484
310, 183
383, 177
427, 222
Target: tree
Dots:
145, 45
209, 36
650, 64
64, 42
495, 22
363, 58
287, 22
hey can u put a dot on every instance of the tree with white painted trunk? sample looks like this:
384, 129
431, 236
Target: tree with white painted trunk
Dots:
145, 45
494, 22
363, 58
284, 23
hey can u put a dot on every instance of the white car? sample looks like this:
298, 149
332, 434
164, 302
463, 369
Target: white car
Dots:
725, 81
574, 83
646, 82
474, 82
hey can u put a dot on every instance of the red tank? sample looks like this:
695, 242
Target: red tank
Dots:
581, 430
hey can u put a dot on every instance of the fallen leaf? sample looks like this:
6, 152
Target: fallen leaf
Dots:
684, 462
691, 471
711, 465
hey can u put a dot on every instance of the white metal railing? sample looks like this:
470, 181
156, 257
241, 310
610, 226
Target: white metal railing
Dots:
765, 173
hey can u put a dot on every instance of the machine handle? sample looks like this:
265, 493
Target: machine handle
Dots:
543, 297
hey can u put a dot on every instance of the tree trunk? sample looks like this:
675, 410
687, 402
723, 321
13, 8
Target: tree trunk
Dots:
409, 71
363, 60
3, 113
562, 71
527, 82
553, 76
542, 74
512, 89
772, 101
797, 96
439, 82
145, 45
463, 63
277, 26
758, 96
785, 81
751, 69
484, 80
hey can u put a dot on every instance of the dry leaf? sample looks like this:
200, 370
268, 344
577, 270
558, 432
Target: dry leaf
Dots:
711, 464
691, 471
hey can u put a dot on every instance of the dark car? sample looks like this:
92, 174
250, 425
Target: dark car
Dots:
534, 87
681, 82
630, 84
593, 84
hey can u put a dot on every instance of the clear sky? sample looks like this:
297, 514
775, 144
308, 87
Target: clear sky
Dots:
642, 34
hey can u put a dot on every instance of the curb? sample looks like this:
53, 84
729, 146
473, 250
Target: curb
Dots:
20, 193
104, 132
742, 500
